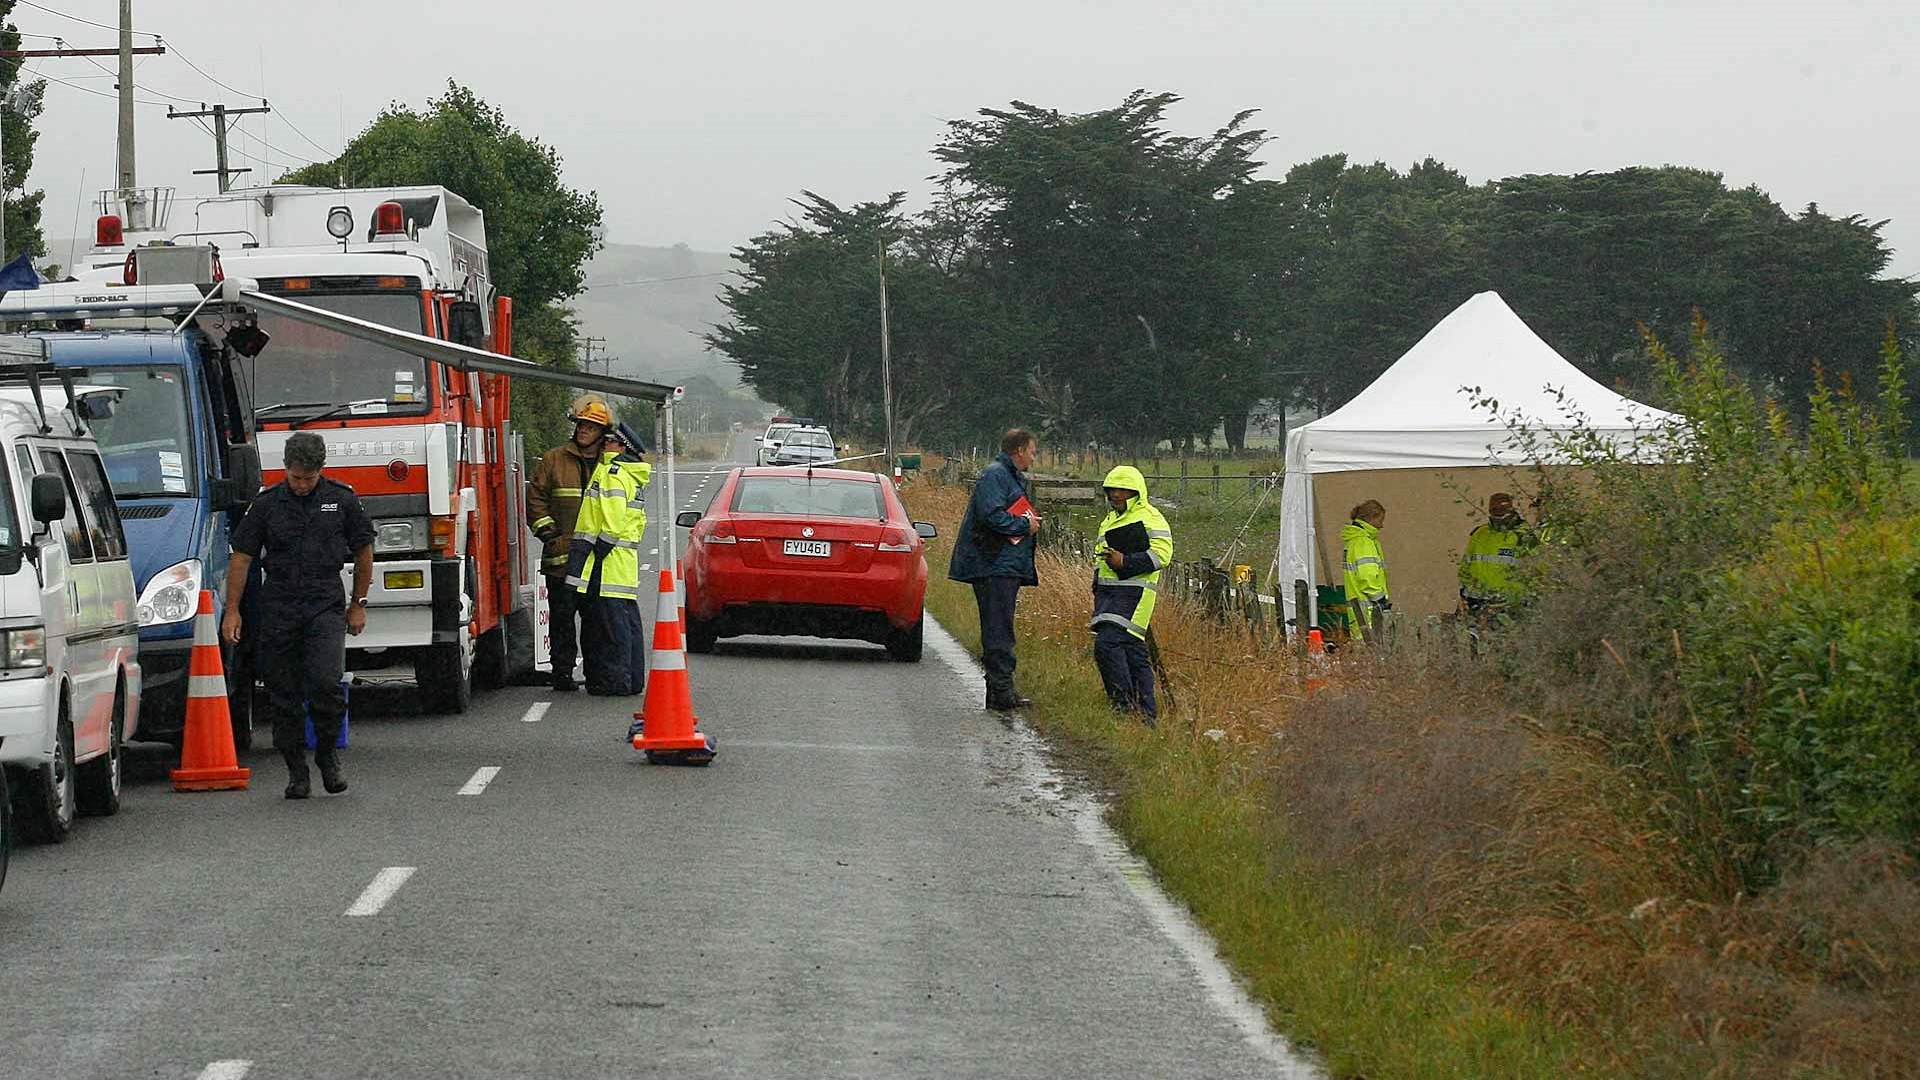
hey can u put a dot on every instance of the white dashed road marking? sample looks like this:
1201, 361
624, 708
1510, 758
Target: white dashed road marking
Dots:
226, 1070
536, 712
481, 778
380, 890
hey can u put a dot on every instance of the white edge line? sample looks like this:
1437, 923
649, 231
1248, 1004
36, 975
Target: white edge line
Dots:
231, 1069
380, 890
481, 778
536, 712
1175, 923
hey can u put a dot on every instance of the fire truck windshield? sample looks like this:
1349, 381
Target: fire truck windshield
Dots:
305, 369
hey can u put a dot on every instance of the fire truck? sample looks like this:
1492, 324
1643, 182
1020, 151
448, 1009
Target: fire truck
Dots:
423, 435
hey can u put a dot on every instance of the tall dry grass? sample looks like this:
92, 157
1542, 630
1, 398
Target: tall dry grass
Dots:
1426, 801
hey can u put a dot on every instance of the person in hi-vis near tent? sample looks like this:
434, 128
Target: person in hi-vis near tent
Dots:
1135, 543
1366, 566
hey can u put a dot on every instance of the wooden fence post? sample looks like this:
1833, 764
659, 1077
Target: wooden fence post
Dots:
1183, 478
1216, 481
1302, 613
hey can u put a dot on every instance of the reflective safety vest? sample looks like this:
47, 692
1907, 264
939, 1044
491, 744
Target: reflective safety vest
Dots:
605, 556
1125, 597
1486, 570
1366, 566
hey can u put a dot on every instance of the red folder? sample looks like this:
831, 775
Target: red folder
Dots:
1020, 508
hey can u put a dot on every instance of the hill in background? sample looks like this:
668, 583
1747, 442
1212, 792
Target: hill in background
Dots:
652, 304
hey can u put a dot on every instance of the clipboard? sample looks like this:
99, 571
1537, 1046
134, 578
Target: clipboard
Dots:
1129, 539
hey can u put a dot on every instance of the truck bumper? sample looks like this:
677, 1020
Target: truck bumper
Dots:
26, 733
403, 615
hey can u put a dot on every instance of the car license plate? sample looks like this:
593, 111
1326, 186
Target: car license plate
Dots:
817, 548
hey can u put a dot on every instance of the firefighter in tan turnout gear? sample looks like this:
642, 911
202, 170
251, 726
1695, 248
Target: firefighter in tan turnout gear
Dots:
553, 507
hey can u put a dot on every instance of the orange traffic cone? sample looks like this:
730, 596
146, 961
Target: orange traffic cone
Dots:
207, 760
1316, 661
667, 733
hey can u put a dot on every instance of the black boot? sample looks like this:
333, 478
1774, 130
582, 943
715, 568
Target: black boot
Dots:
330, 775
298, 786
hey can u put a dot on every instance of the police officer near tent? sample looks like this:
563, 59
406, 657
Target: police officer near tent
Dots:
301, 530
553, 506
1134, 545
603, 567
1493, 551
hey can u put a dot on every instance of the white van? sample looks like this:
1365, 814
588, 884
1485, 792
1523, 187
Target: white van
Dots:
69, 632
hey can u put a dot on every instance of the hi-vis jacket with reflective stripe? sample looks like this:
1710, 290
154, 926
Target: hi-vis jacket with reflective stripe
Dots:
1126, 597
559, 481
1486, 570
1366, 561
605, 560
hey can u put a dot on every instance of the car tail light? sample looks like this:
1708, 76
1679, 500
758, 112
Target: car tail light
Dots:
892, 539
722, 533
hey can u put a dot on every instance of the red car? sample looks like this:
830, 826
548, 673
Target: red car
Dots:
819, 552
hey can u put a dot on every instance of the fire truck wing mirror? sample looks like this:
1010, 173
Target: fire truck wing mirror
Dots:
465, 325
248, 340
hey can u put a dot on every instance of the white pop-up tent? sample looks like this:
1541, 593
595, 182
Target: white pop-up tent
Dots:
1420, 440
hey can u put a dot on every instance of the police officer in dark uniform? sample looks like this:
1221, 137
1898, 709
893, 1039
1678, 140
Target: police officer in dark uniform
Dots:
303, 529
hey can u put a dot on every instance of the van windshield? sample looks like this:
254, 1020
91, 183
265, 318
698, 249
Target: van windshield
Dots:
146, 444
305, 369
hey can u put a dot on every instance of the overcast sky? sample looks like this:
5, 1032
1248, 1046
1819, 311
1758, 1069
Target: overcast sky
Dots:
697, 121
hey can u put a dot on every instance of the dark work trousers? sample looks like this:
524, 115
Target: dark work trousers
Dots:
614, 651
299, 655
1125, 670
995, 597
564, 607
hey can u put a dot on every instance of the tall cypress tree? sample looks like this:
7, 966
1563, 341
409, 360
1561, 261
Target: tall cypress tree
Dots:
20, 105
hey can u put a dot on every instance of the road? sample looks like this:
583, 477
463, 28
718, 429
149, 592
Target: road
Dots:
875, 878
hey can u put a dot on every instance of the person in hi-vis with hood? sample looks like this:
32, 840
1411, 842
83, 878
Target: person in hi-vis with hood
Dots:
1134, 545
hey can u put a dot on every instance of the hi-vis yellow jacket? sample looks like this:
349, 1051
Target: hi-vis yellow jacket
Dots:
605, 557
1125, 598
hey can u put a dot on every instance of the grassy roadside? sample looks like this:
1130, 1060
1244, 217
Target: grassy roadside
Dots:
1198, 809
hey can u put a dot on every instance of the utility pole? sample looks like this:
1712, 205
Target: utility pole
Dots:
589, 342
886, 358
219, 114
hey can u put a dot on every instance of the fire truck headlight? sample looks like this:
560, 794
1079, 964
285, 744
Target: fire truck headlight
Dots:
407, 535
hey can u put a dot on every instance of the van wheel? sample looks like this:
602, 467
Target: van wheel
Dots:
239, 698
445, 675
907, 645
6, 828
99, 780
47, 803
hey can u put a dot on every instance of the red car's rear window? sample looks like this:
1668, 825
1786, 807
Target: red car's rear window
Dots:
811, 495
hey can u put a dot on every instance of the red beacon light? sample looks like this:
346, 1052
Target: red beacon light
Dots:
389, 221
107, 231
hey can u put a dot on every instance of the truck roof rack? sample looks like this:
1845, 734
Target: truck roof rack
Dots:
72, 301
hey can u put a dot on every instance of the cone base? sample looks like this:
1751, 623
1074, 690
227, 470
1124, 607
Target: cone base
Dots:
695, 741
231, 778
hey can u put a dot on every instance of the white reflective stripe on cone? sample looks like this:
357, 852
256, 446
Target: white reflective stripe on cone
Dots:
207, 686
673, 660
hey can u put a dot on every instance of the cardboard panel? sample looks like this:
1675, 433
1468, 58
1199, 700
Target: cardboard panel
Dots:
1429, 514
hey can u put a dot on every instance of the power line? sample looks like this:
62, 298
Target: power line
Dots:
262, 99
112, 74
78, 19
90, 90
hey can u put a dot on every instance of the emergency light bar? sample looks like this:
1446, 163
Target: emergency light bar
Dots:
67, 301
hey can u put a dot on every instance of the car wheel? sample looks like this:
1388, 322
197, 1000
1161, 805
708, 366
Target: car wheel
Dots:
99, 780
47, 801
700, 635
906, 645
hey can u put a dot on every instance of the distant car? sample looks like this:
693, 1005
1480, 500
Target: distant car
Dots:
769, 442
805, 446
818, 552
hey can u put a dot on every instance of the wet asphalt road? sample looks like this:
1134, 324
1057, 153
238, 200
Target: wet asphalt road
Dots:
874, 879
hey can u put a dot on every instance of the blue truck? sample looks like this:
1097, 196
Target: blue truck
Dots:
183, 466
